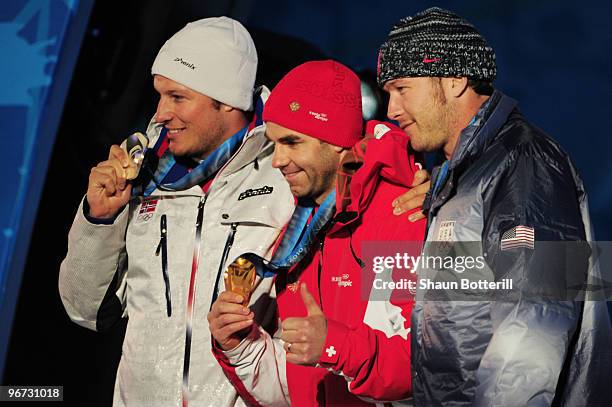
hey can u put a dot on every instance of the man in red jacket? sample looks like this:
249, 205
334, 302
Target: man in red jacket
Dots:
336, 345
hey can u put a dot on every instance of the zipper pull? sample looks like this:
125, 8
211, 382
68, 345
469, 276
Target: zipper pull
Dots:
162, 237
164, 252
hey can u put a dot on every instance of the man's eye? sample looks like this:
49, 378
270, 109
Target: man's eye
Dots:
177, 98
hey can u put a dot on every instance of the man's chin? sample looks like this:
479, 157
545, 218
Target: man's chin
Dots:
298, 191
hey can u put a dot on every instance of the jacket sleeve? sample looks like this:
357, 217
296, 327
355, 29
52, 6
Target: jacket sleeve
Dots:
256, 368
532, 325
92, 276
374, 356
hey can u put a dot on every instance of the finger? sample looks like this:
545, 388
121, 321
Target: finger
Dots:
295, 348
411, 199
416, 216
120, 172
405, 197
311, 304
296, 359
222, 334
223, 320
104, 179
114, 169
223, 307
229, 296
119, 154
294, 336
294, 324
419, 177
124, 195
422, 189
415, 191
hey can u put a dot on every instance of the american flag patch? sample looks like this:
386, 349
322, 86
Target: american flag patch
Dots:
518, 236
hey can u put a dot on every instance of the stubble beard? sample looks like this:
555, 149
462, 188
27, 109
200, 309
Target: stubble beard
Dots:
436, 132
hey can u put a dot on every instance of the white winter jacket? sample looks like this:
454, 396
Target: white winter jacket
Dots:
114, 270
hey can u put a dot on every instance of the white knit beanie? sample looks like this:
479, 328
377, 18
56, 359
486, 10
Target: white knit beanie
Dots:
214, 56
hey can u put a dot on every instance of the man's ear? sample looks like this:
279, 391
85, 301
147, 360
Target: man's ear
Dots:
455, 86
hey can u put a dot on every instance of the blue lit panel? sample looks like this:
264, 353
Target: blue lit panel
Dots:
40, 40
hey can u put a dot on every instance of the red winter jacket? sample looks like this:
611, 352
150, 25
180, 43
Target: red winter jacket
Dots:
367, 351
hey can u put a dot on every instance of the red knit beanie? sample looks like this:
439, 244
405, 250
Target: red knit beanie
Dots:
321, 99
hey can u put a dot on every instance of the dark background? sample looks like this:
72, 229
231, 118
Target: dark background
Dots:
553, 56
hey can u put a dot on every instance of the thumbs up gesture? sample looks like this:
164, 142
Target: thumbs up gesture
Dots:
305, 337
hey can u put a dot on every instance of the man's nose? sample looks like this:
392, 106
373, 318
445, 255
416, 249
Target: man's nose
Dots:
164, 112
280, 158
394, 110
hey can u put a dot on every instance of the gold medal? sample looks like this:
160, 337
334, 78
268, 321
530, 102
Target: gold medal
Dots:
240, 278
135, 147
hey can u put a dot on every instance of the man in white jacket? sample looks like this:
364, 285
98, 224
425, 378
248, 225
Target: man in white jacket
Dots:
154, 249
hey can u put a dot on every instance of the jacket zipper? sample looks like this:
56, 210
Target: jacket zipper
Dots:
163, 247
320, 268
228, 246
191, 300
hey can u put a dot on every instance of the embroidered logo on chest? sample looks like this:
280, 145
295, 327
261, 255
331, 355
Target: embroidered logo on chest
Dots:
446, 231
342, 280
147, 209
255, 192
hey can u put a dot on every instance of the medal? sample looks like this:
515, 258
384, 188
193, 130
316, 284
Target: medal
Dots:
240, 278
135, 146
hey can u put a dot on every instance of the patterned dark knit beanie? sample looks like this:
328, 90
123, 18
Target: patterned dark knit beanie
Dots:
435, 42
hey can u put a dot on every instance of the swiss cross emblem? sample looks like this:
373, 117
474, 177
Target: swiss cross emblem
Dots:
330, 351
293, 287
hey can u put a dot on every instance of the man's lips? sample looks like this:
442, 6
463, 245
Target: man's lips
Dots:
405, 126
289, 176
174, 132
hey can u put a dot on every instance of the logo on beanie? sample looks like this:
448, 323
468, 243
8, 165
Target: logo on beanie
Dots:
318, 116
430, 60
294, 106
182, 62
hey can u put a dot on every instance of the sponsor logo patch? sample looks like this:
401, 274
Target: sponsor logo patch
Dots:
255, 192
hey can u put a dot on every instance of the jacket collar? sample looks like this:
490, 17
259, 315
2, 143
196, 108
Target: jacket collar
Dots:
473, 141
483, 128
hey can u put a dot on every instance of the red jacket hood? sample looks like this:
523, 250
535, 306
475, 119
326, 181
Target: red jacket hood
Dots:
384, 153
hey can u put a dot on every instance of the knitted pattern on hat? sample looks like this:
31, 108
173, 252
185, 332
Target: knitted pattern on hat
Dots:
436, 43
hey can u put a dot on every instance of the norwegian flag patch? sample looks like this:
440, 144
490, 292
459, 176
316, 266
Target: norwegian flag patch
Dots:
147, 208
518, 236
